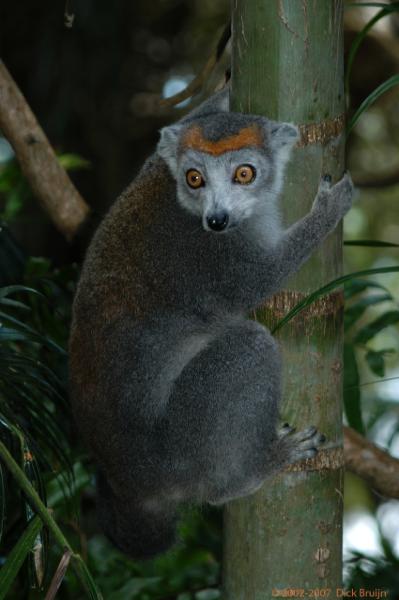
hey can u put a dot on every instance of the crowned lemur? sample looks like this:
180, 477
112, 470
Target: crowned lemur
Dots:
174, 388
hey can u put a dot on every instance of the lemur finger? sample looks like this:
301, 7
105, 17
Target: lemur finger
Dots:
285, 430
300, 453
309, 453
324, 184
313, 442
344, 185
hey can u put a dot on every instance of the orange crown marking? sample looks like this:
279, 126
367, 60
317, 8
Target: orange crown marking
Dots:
248, 136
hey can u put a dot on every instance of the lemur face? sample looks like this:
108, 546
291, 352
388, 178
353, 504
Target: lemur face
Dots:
227, 166
223, 190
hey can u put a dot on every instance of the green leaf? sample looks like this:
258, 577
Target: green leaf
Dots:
355, 311
2, 502
19, 324
352, 403
30, 335
39, 382
10, 427
386, 9
379, 409
33, 497
371, 243
18, 555
37, 561
210, 594
15, 304
369, 331
356, 286
86, 578
371, 98
24, 363
375, 360
43, 433
11, 335
14, 205
37, 266
134, 586
13, 289
372, 5
73, 162
328, 288
55, 492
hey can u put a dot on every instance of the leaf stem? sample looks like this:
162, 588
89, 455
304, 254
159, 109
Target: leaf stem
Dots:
328, 288
371, 98
42, 511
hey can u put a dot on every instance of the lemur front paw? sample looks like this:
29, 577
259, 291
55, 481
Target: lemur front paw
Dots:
302, 444
334, 201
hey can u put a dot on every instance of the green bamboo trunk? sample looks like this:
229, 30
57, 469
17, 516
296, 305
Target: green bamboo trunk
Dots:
288, 65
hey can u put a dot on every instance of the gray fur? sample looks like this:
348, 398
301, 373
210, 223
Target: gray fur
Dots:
175, 390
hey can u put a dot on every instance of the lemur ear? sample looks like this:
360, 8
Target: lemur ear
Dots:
283, 137
167, 146
218, 102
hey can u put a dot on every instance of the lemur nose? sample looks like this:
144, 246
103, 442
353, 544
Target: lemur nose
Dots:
218, 221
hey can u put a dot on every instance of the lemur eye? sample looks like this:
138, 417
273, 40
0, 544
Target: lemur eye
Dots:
244, 174
194, 178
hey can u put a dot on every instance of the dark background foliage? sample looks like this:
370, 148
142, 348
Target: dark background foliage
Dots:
95, 87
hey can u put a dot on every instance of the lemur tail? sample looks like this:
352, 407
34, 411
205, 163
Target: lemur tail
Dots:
139, 533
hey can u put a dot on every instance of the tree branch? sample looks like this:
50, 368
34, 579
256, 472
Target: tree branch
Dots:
378, 181
376, 466
49, 181
197, 83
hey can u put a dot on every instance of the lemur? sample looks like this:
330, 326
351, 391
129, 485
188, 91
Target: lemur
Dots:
174, 388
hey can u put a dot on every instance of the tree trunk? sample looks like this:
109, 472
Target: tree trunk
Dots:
288, 65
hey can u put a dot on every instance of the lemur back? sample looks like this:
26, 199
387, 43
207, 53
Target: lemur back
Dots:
174, 389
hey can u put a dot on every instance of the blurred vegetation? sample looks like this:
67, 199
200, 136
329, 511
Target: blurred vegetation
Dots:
36, 426
94, 88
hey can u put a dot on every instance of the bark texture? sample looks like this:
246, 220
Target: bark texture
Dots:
288, 65
374, 465
49, 181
